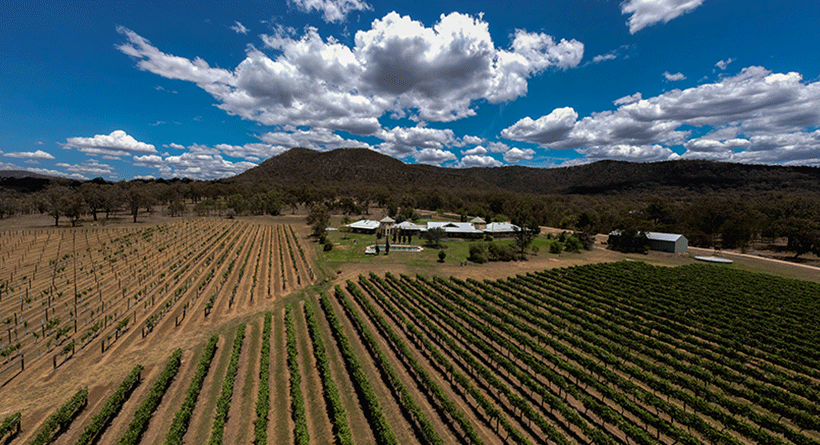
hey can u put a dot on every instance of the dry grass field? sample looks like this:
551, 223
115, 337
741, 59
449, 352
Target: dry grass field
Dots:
598, 350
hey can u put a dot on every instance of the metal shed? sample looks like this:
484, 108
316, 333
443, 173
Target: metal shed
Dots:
667, 242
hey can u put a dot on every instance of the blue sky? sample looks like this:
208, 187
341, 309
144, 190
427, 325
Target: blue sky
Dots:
205, 89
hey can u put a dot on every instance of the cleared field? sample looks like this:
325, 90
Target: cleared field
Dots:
621, 353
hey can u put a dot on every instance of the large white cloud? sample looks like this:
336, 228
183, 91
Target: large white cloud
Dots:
118, 143
402, 142
798, 148
39, 154
776, 113
478, 161
433, 156
552, 127
332, 10
398, 66
90, 168
516, 155
649, 12
480, 151
626, 152
197, 162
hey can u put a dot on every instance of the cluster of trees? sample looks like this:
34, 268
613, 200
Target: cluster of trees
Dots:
73, 201
708, 219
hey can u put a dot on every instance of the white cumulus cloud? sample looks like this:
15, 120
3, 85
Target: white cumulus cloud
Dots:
332, 10
197, 162
398, 67
475, 151
673, 77
649, 12
754, 116
552, 127
516, 155
478, 161
118, 143
39, 154
402, 142
90, 169
433, 156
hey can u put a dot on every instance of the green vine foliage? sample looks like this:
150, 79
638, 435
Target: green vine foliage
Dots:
111, 407
223, 404
61, 418
139, 424
183, 415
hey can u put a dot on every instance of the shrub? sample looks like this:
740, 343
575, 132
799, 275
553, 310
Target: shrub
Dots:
556, 247
478, 253
441, 255
573, 244
501, 252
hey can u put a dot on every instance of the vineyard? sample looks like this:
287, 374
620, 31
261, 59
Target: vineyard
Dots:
615, 353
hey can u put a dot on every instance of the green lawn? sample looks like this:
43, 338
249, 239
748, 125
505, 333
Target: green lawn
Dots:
349, 248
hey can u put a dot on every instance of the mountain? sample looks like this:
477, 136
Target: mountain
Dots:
354, 167
23, 181
20, 174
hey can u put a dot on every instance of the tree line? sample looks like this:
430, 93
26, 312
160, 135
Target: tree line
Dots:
717, 219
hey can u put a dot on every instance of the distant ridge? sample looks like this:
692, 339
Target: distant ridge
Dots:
356, 167
19, 174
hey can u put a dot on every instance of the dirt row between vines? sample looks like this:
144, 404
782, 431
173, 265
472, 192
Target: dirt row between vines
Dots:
41, 389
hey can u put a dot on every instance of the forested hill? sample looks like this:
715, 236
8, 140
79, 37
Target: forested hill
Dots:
362, 167
355, 167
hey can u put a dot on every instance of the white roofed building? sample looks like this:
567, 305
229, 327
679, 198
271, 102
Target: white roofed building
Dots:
473, 229
663, 242
501, 229
364, 226
408, 228
667, 242
455, 229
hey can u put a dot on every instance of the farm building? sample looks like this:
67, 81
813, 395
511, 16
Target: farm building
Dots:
364, 226
667, 242
663, 242
475, 228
